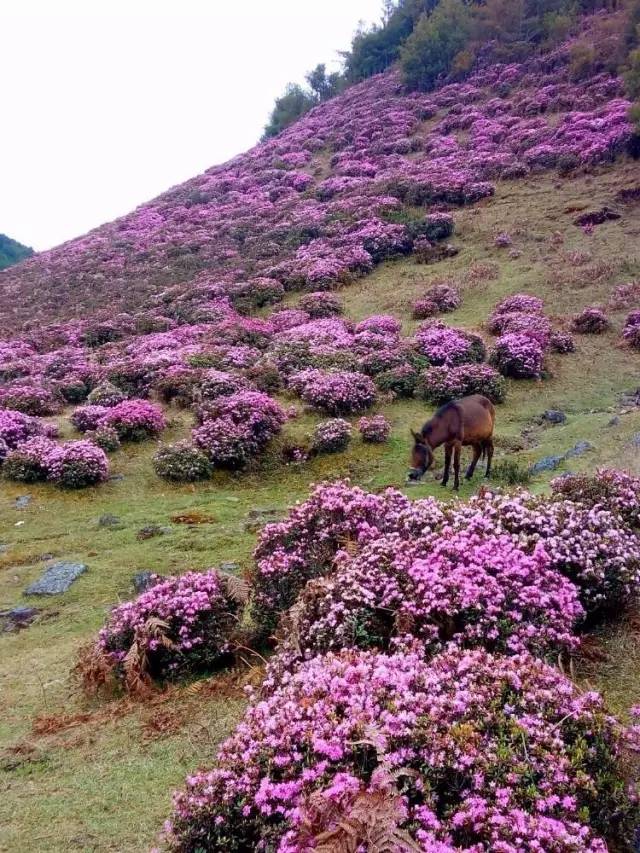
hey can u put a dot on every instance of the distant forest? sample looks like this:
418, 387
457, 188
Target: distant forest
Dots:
434, 40
11, 251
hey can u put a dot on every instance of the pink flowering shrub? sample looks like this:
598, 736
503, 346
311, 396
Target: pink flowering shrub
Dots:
400, 381
260, 414
227, 444
518, 304
439, 299
182, 463
503, 240
464, 589
331, 436
535, 326
29, 399
444, 738
218, 383
338, 393
374, 430
134, 420
30, 461
104, 437
561, 342
438, 385
78, 464
304, 545
614, 491
441, 344
590, 545
106, 394
518, 356
631, 331
177, 627
321, 304
86, 418
16, 427
4, 450
591, 321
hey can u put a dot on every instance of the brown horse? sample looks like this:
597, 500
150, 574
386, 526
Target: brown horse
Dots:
461, 423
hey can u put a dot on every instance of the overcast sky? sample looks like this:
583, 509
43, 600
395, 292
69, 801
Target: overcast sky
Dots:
106, 103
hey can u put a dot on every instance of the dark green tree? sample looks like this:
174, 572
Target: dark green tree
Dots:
11, 252
436, 40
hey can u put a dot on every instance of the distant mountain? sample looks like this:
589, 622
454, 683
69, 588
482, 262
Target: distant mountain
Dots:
11, 252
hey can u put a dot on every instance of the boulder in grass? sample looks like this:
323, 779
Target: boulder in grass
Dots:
56, 579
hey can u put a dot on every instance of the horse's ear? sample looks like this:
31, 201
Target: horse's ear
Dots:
416, 436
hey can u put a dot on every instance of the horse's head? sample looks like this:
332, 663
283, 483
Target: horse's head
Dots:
421, 456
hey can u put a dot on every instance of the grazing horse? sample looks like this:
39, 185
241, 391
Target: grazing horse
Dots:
461, 423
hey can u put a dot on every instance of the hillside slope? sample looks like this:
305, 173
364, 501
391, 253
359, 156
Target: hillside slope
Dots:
315, 206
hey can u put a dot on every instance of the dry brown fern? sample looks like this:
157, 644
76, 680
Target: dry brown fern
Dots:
94, 670
236, 587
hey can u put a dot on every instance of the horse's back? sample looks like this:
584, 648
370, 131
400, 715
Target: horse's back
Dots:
478, 416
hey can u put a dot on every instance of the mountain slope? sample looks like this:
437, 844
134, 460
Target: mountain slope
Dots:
12, 252
308, 207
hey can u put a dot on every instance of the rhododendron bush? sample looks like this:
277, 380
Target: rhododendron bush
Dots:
472, 746
179, 626
331, 436
438, 385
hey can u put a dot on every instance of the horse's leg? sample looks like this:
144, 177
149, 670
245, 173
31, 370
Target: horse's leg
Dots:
447, 463
477, 451
457, 449
489, 456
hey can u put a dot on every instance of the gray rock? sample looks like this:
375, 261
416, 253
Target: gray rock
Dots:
108, 521
151, 530
554, 416
23, 501
229, 567
56, 579
116, 478
615, 421
142, 581
635, 440
578, 449
17, 618
3, 548
547, 463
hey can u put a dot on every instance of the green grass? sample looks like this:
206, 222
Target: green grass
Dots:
104, 783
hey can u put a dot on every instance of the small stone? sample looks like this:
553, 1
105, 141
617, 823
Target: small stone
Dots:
578, 449
56, 579
635, 441
149, 531
23, 501
116, 478
17, 618
3, 548
547, 463
142, 581
229, 567
615, 421
108, 521
554, 416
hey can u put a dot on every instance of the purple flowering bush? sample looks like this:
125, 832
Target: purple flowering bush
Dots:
331, 436
561, 343
182, 463
588, 544
134, 420
178, 627
518, 356
304, 545
590, 321
442, 345
78, 464
438, 385
86, 418
374, 430
399, 381
219, 383
454, 588
321, 304
338, 393
473, 751
104, 437
106, 394
631, 331
29, 399
16, 427
30, 461
615, 491
439, 299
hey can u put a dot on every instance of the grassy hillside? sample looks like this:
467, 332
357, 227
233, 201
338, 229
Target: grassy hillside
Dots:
97, 776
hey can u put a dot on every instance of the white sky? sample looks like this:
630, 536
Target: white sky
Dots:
107, 103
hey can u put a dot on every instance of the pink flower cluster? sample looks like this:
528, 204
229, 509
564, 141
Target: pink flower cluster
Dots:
469, 752
439, 299
442, 345
631, 331
180, 625
438, 385
134, 420
336, 393
331, 436
374, 430
590, 321
16, 427
71, 465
